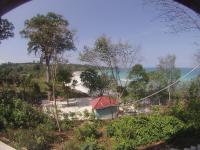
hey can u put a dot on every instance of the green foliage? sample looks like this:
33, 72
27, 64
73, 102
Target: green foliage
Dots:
86, 114
194, 89
87, 130
18, 114
131, 132
93, 81
91, 144
71, 145
139, 79
189, 112
167, 66
33, 139
23, 80
66, 123
88, 144
6, 29
45, 31
194, 112
112, 56
122, 90
157, 80
138, 73
64, 75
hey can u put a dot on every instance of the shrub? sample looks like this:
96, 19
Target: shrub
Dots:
92, 116
72, 115
33, 139
66, 123
87, 130
110, 129
86, 114
71, 145
91, 144
124, 144
129, 132
179, 111
19, 114
2, 122
189, 113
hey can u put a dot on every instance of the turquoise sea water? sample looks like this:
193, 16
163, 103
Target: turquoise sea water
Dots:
194, 74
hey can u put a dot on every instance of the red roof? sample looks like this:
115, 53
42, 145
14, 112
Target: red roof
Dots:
103, 102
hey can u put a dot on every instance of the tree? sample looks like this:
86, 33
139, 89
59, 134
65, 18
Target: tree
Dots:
157, 80
6, 29
170, 72
139, 80
93, 81
194, 89
48, 34
109, 57
64, 75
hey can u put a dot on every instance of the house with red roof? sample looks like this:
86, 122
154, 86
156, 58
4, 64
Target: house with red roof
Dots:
105, 107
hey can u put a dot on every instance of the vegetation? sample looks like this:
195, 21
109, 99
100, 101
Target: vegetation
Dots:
174, 112
111, 55
139, 80
93, 81
194, 89
6, 29
131, 132
87, 130
48, 35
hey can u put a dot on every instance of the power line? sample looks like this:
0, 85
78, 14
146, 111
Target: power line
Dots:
181, 78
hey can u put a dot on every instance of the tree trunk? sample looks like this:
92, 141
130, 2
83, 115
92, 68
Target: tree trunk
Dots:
55, 106
48, 78
169, 95
54, 73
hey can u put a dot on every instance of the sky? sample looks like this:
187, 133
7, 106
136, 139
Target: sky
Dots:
130, 21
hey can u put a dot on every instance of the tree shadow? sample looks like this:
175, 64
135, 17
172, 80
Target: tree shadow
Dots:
182, 139
185, 138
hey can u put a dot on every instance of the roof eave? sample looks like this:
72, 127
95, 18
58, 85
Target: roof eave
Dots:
106, 107
8, 5
192, 4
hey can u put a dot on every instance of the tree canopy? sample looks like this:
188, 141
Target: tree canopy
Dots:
6, 29
139, 80
46, 34
95, 82
49, 36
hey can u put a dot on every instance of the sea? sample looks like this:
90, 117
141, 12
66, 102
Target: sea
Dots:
124, 72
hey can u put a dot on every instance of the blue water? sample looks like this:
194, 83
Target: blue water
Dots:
193, 75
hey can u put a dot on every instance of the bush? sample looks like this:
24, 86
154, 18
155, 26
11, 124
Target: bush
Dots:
2, 122
193, 111
16, 113
71, 145
188, 113
179, 111
66, 123
91, 144
86, 114
33, 139
131, 132
87, 130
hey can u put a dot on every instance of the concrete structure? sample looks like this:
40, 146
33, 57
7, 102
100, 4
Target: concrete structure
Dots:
105, 107
3, 146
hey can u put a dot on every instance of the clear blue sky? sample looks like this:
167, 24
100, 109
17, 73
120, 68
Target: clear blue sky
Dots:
127, 20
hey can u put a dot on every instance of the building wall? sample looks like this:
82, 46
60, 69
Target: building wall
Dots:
107, 113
